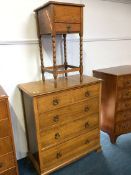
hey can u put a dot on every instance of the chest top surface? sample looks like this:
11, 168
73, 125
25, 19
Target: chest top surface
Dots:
117, 71
48, 86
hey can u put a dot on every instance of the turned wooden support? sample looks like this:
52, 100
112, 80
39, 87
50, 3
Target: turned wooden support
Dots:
81, 57
54, 57
41, 58
65, 54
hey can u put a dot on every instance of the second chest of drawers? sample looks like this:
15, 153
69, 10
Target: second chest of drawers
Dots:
62, 123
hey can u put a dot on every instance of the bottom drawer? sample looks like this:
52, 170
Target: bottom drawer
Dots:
70, 150
10, 172
123, 127
6, 162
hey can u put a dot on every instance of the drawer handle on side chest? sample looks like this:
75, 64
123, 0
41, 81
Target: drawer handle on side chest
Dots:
86, 125
55, 102
56, 118
87, 141
86, 109
87, 94
58, 155
1, 164
57, 136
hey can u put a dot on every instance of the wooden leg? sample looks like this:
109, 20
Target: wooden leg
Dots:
41, 58
54, 57
113, 139
81, 58
65, 55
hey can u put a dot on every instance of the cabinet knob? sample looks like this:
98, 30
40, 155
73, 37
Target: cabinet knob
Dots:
1, 164
87, 141
55, 102
57, 136
87, 94
58, 155
86, 109
68, 28
86, 125
56, 118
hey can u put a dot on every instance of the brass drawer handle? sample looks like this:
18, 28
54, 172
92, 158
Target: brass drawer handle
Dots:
57, 136
1, 164
128, 82
86, 125
68, 28
127, 93
56, 118
86, 109
55, 102
87, 141
87, 94
58, 155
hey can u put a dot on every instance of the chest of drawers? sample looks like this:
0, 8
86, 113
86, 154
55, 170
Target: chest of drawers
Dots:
116, 100
8, 164
62, 123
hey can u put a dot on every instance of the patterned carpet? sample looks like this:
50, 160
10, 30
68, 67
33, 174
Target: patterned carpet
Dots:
112, 160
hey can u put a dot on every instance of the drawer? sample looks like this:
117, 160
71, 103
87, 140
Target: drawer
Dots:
70, 150
124, 94
69, 113
67, 14
10, 172
124, 81
124, 105
64, 98
5, 145
123, 127
4, 128
123, 115
6, 162
3, 109
67, 28
56, 135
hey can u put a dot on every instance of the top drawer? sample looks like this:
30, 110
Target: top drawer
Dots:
3, 109
64, 98
67, 14
124, 81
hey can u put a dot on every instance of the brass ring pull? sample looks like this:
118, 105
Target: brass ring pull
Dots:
86, 125
56, 118
87, 94
57, 136
55, 102
86, 109
87, 141
58, 155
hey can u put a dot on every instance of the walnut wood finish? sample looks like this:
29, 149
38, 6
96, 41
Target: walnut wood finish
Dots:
8, 165
60, 18
58, 119
116, 100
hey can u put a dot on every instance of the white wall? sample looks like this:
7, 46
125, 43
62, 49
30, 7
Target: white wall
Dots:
107, 42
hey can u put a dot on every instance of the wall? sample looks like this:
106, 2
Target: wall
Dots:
107, 42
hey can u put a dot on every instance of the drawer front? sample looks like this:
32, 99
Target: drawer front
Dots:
70, 149
124, 94
5, 145
67, 14
124, 105
67, 28
69, 113
3, 109
56, 135
64, 98
6, 162
123, 127
123, 115
10, 172
4, 128
124, 81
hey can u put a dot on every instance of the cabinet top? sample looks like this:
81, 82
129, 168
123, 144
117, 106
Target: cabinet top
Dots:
2, 93
58, 3
117, 71
40, 88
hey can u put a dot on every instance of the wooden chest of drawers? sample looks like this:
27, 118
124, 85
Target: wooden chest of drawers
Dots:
62, 123
116, 100
8, 164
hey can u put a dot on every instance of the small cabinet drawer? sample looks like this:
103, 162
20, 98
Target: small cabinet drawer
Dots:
4, 128
5, 145
123, 105
69, 113
123, 115
124, 81
6, 162
64, 98
67, 14
123, 127
55, 135
3, 109
70, 150
67, 28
